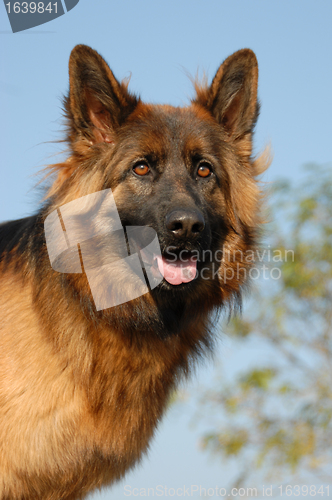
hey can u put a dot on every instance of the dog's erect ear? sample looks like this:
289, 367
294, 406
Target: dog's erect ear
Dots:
232, 96
97, 103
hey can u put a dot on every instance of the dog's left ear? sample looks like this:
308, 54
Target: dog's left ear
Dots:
232, 96
97, 104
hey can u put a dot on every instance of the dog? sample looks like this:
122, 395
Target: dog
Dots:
84, 379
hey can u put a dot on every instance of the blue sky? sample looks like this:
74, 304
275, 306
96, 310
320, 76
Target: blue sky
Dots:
157, 43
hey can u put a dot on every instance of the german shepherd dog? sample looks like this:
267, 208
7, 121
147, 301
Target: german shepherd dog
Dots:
82, 388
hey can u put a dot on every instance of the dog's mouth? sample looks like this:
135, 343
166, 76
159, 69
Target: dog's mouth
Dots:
175, 269
176, 265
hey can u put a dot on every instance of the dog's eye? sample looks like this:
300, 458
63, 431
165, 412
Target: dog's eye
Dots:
141, 169
204, 170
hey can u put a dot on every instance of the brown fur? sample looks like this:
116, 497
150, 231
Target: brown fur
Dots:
81, 391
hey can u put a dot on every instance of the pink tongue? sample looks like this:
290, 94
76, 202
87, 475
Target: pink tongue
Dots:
177, 272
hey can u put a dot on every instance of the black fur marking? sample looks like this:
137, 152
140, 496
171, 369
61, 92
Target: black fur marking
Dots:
25, 235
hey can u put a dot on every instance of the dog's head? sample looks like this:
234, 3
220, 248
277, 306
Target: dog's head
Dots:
187, 173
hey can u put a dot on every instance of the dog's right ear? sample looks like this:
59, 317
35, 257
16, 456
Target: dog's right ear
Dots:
97, 103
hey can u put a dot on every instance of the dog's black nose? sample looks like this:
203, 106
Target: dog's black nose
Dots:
185, 223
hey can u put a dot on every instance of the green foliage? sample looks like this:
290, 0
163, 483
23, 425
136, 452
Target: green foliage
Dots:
277, 418
230, 444
259, 379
